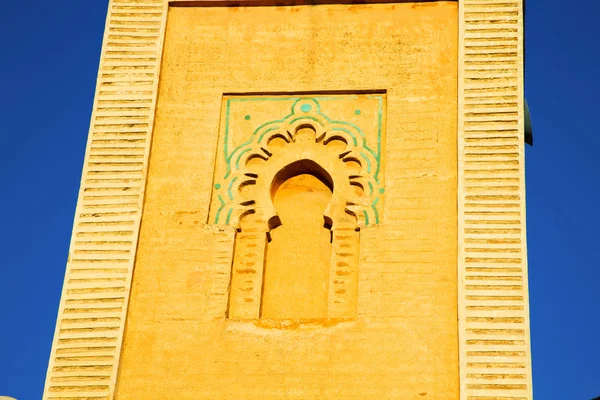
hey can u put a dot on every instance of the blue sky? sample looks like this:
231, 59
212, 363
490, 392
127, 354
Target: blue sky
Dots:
50, 53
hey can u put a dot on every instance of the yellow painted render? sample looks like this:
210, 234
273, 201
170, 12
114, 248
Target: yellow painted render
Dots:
295, 282
404, 342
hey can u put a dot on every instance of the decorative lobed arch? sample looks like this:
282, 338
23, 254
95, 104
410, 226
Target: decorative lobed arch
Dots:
362, 163
304, 142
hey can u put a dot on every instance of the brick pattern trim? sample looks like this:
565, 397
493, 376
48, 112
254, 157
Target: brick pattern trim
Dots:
91, 319
495, 356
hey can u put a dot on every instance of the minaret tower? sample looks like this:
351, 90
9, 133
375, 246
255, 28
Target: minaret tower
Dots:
301, 200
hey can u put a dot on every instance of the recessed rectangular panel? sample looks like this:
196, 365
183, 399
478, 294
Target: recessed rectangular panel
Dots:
267, 143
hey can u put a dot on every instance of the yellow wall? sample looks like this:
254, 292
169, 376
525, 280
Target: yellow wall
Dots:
299, 254
403, 345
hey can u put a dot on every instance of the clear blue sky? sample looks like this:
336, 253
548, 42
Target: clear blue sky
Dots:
49, 58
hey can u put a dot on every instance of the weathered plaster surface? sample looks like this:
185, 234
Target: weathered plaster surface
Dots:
401, 339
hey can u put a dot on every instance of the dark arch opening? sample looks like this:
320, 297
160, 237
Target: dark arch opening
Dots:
301, 167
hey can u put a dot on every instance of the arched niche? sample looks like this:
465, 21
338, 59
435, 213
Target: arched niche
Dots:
304, 150
298, 254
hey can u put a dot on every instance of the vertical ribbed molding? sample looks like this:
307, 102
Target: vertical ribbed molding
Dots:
495, 356
91, 320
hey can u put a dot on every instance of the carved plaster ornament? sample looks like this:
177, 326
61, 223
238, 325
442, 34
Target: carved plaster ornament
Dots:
304, 142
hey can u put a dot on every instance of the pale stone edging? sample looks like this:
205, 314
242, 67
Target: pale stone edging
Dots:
494, 348
91, 319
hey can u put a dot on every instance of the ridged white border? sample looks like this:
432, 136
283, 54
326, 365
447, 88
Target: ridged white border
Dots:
93, 307
494, 348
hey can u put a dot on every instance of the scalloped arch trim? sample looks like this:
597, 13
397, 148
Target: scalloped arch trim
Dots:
340, 147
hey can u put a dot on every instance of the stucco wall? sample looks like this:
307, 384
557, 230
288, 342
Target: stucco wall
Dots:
404, 343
